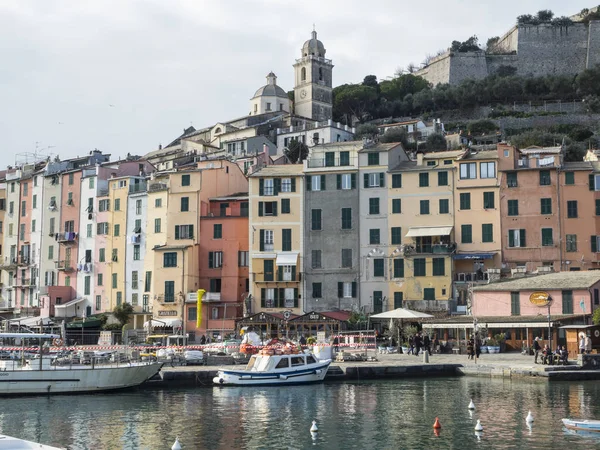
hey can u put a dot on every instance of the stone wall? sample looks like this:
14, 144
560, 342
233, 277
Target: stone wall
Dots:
468, 65
593, 48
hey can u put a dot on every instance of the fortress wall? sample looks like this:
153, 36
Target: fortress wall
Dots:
467, 66
495, 61
593, 55
509, 42
438, 71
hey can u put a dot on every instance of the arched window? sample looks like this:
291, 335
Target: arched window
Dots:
320, 74
218, 130
303, 74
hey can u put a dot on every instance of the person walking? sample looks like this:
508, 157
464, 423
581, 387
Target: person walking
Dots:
427, 344
411, 343
588, 344
582, 343
536, 349
417, 344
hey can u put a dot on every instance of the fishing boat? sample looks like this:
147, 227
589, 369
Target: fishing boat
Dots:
582, 425
269, 368
42, 375
12, 443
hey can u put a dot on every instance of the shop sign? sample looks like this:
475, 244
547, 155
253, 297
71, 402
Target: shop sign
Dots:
167, 313
540, 298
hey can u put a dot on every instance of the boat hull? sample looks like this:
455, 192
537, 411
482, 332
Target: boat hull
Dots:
582, 425
76, 379
304, 375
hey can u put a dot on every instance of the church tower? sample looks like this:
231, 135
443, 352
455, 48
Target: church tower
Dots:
313, 94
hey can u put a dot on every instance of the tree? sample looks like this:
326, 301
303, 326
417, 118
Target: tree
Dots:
545, 16
490, 45
506, 71
484, 126
395, 135
123, 313
296, 151
366, 130
371, 81
352, 100
436, 142
470, 45
596, 317
588, 82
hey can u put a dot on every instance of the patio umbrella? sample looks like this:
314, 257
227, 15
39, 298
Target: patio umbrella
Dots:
401, 314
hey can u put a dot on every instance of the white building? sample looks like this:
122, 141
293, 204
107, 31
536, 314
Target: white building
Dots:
269, 98
11, 225
314, 133
36, 238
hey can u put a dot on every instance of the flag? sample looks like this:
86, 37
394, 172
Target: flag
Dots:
200, 294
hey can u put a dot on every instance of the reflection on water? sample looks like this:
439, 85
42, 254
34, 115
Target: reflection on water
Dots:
384, 414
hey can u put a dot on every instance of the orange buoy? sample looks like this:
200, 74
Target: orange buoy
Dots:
436, 431
437, 424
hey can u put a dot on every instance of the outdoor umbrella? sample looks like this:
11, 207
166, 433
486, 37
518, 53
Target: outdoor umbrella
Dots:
401, 314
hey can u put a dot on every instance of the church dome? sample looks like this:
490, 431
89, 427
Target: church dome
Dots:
270, 89
313, 47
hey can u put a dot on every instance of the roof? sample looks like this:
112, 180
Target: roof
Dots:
483, 154
270, 90
551, 281
396, 124
381, 147
280, 170
534, 149
170, 247
406, 166
577, 165
440, 155
236, 196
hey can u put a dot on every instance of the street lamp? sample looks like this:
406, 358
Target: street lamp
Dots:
475, 336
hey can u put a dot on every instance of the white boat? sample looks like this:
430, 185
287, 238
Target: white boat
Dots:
12, 443
582, 425
41, 376
273, 369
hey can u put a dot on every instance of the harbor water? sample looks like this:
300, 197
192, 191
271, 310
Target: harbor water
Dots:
363, 415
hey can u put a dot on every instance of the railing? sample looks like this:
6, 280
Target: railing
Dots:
335, 162
24, 282
439, 249
523, 163
212, 297
156, 187
166, 298
277, 277
471, 277
64, 265
66, 236
23, 261
138, 187
9, 263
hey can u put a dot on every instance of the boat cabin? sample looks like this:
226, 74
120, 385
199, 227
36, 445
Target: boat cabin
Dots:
265, 363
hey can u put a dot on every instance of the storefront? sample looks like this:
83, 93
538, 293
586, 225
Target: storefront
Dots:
292, 326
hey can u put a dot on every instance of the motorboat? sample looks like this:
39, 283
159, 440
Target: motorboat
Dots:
270, 367
582, 425
47, 374
12, 443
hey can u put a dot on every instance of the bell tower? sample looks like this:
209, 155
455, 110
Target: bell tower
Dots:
313, 92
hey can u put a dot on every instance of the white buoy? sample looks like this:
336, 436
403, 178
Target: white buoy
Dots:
529, 418
314, 427
478, 426
176, 445
471, 405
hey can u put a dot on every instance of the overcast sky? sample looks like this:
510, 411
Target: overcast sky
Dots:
125, 76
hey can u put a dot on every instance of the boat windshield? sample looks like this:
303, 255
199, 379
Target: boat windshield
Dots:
310, 359
283, 363
298, 361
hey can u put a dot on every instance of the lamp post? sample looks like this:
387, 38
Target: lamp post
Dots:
476, 336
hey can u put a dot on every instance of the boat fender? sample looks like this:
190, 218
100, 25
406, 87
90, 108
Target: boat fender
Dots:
221, 380
57, 342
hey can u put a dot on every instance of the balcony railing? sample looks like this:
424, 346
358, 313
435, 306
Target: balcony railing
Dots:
23, 261
471, 277
332, 162
278, 277
166, 298
8, 263
138, 187
211, 297
523, 163
436, 249
24, 282
64, 265
66, 237
156, 187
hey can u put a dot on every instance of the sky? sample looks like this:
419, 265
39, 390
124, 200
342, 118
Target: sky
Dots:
124, 76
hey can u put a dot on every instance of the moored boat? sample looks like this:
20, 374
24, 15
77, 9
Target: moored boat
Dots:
13, 443
268, 368
582, 425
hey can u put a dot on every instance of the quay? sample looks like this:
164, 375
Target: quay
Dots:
395, 366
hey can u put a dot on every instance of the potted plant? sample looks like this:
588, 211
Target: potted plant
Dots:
407, 331
492, 345
482, 335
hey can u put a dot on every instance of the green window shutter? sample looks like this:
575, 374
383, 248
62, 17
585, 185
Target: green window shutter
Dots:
323, 182
382, 179
295, 297
276, 186
210, 260
260, 208
339, 181
281, 297
262, 297
511, 238
285, 206
191, 231
598, 207
591, 181
262, 240
397, 180
594, 243
261, 187
274, 208
176, 231
293, 185
340, 289
354, 289
294, 273
308, 183
279, 273
366, 180
268, 270
522, 237
353, 180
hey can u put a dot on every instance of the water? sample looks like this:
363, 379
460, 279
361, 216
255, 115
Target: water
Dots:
381, 414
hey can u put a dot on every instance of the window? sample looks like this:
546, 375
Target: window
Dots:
487, 232
185, 204
466, 234
266, 240
100, 281
398, 268
169, 296
23, 208
419, 267
117, 204
423, 179
285, 206
138, 207
465, 200
217, 231
316, 259
268, 188
346, 218
71, 179
374, 236
134, 300
424, 207
511, 179
215, 260
316, 290
444, 206
373, 180
87, 285
513, 207
102, 255
488, 200
267, 209
268, 106
468, 171
316, 219
397, 180
89, 230
429, 294
572, 209
398, 299
515, 304
117, 230
487, 170
344, 158
396, 206
567, 302
377, 301
316, 183
243, 258
114, 280
516, 238
33, 224
286, 185
184, 231
104, 205
158, 202
148, 281
571, 242
34, 201
373, 159
544, 178
329, 159
569, 177
547, 240
396, 237
443, 178
439, 267
346, 258
286, 240
378, 270
136, 252
51, 252
185, 180
346, 290
374, 205
157, 226
347, 181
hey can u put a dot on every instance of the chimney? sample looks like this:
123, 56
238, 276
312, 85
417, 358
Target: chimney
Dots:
419, 159
160, 146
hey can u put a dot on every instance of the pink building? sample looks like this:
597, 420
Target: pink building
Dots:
68, 230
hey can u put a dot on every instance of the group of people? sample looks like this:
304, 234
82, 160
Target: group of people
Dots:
560, 355
420, 342
205, 340
473, 347
585, 344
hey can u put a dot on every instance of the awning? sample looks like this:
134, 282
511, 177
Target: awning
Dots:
71, 303
473, 256
161, 323
32, 321
428, 231
257, 255
286, 259
87, 323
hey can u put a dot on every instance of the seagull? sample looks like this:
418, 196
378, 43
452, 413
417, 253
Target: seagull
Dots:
61, 123
112, 106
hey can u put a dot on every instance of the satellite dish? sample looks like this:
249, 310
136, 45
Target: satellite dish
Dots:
287, 315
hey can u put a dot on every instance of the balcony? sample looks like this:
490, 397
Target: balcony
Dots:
471, 277
211, 297
66, 237
138, 187
25, 282
165, 298
8, 263
314, 163
523, 163
23, 261
157, 187
279, 276
64, 266
424, 249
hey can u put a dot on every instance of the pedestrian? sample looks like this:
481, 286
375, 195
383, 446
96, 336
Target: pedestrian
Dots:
470, 348
203, 340
427, 344
582, 343
411, 343
536, 349
588, 344
418, 343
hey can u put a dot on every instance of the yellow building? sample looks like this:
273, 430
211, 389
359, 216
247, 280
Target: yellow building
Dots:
118, 191
276, 239
478, 235
421, 227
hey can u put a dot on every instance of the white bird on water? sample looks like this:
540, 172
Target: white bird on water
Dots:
176, 445
314, 427
478, 427
529, 417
